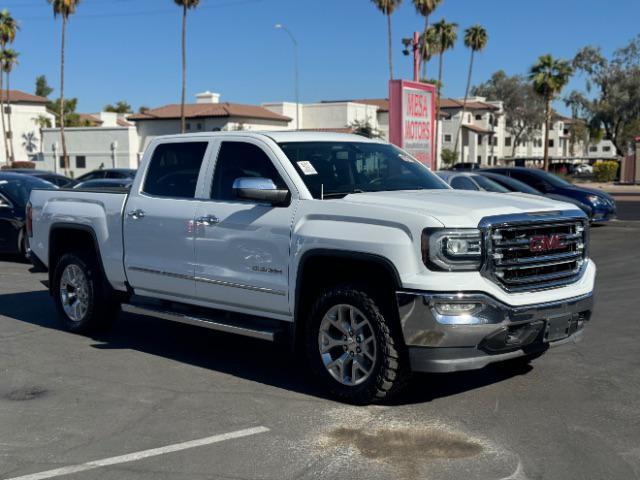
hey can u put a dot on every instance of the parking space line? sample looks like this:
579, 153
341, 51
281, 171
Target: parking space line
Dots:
131, 457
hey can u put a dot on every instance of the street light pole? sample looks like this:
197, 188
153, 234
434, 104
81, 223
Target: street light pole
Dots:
295, 66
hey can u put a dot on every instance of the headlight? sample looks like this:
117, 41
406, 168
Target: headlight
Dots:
452, 250
595, 199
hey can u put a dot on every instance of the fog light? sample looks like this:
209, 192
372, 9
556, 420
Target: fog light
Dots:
457, 308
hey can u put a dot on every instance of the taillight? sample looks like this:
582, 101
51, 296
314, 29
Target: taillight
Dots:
29, 215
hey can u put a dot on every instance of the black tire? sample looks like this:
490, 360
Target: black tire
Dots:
23, 244
102, 306
391, 368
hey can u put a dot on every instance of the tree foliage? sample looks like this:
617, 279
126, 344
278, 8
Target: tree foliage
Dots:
612, 100
364, 128
42, 87
524, 110
71, 118
120, 107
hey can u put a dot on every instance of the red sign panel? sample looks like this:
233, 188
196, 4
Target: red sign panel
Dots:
411, 119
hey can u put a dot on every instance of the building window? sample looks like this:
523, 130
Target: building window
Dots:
551, 142
199, 126
478, 117
495, 141
188, 126
606, 149
479, 158
565, 131
81, 161
62, 165
593, 148
447, 137
507, 141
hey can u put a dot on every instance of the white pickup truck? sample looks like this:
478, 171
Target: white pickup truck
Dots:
347, 247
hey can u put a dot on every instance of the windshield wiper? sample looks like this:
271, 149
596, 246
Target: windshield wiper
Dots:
342, 194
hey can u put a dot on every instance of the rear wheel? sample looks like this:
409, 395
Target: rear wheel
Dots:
81, 295
23, 244
353, 346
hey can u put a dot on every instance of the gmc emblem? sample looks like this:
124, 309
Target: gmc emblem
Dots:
544, 243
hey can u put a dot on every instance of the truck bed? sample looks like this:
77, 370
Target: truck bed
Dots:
99, 211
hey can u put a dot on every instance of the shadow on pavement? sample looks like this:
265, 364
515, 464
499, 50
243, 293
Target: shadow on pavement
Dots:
242, 357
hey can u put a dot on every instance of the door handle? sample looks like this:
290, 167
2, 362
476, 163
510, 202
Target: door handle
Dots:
136, 214
207, 220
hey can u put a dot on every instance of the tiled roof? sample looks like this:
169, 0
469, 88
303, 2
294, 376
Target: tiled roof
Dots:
18, 96
452, 103
205, 110
124, 123
92, 120
473, 128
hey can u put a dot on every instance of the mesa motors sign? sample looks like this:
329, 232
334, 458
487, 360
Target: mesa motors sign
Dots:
411, 119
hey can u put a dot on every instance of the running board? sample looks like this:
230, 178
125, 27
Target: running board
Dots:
247, 329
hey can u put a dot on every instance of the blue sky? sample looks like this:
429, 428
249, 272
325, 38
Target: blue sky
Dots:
130, 49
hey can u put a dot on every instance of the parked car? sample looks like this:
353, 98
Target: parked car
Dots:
15, 189
465, 166
583, 169
514, 185
55, 178
105, 173
360, 256
602, 204
105, 183
470, 181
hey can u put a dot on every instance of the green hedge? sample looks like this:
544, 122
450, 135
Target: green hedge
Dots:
605, 171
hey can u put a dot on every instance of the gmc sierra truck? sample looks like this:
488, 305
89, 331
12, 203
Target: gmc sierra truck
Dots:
348, 248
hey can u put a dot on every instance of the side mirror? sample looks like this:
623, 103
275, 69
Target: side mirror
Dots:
260, 190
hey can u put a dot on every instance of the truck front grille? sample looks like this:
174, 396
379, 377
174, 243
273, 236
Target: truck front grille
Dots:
536, 255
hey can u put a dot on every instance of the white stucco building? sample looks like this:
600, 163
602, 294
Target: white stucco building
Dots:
206, 115
111, 142
25, 111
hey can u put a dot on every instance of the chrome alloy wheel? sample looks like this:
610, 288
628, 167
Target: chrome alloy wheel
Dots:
74, 292
347, 344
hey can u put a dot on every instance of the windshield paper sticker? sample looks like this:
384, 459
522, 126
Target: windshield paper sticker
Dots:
307, 168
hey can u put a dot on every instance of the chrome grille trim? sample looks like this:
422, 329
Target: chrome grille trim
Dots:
510, 262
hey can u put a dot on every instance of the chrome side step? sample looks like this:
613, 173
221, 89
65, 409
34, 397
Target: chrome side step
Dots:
247, 330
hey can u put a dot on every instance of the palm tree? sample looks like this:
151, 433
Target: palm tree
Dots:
475, 39
445, 35
549, 76
186, 5
425, 8
8, 30
64, 8
8, 60
387, 7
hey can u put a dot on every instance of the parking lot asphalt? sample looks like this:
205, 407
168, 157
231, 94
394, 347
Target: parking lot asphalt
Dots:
122, 404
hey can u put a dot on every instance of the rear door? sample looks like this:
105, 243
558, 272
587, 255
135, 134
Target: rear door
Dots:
242, 255
158, 221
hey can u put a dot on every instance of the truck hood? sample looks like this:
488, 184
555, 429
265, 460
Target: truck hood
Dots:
458, 208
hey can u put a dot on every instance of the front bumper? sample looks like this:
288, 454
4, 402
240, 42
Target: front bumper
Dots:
492, 332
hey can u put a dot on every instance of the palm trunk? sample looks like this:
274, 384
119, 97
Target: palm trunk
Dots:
12, 151
390, 47
425, 45
183, 121
546, 135
65, 155
464, 103
437, 119
4, 130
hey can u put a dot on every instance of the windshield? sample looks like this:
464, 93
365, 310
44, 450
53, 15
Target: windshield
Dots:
336, 169
18, 190
489, 185
553, 179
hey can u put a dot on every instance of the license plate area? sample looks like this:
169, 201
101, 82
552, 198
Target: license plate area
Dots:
557, 328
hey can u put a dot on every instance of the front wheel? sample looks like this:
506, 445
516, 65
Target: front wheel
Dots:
81, 295
354, 347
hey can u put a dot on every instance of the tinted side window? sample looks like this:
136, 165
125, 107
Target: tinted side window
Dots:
463, 183
239, 159
174, 169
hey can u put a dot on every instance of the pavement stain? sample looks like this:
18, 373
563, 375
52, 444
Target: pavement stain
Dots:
406, 448
26, 393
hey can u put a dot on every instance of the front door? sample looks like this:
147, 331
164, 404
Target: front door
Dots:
158, 222
242, 247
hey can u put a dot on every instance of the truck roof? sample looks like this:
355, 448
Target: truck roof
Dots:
283, 136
